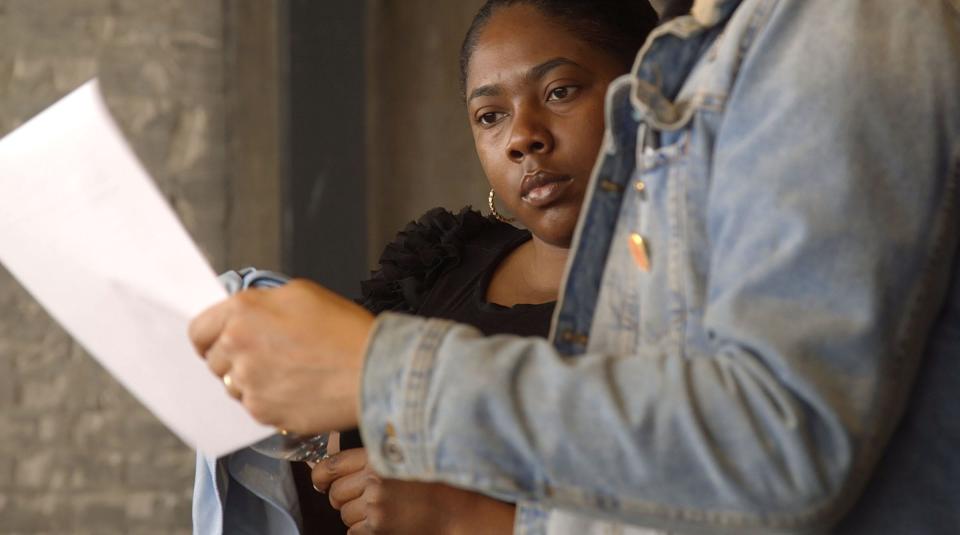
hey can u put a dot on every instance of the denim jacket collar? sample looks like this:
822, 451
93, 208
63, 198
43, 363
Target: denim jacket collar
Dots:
678, 43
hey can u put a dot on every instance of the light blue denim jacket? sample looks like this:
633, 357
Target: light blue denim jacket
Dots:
792, 356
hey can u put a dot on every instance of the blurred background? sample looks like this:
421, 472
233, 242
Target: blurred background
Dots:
297, 135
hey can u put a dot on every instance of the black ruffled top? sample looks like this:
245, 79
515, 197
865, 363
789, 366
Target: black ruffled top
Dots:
438, 266
441, 266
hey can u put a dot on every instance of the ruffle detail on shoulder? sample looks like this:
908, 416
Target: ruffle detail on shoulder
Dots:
420, 254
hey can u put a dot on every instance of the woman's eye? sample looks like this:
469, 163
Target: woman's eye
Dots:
561, 93
488, 118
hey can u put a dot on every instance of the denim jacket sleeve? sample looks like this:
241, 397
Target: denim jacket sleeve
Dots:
801, 214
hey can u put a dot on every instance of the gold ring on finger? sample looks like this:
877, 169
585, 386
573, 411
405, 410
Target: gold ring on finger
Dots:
231, 386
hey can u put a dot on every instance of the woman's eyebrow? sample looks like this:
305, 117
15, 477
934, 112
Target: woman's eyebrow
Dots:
535, 73
539, 71
491, 90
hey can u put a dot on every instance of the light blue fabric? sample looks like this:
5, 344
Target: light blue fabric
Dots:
245, 493
800, 162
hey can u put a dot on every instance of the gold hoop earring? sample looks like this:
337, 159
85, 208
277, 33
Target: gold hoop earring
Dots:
494, 212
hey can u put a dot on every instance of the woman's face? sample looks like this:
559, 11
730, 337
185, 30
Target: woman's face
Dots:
535, 96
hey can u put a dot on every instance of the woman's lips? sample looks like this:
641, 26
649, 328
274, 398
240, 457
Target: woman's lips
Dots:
542, 187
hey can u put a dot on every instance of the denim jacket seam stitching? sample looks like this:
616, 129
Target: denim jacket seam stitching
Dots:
684, 28
416, 386
896, 389
471, 479
710, 100
530, 518
758, 21
383, 408
581, 497
759, 18
675, 277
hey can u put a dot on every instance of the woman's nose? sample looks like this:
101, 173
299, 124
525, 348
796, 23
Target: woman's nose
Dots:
529, 136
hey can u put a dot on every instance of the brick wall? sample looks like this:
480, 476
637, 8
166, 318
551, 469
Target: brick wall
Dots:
77, 453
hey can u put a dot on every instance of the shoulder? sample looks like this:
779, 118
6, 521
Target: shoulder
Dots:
423, 251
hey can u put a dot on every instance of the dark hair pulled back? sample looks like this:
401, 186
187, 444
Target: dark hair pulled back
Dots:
618, 26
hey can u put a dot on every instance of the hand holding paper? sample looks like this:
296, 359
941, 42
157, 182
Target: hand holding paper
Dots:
84, 229
294, 354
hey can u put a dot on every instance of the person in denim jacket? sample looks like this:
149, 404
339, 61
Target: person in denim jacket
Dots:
759, 329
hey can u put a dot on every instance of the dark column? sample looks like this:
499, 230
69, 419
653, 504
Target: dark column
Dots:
324, 219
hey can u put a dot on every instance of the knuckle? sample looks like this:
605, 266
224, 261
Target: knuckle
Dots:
338, 496
352, 513
227, 342
320, 477
374, 493
216, 363
238, 370
376, 519
232, 337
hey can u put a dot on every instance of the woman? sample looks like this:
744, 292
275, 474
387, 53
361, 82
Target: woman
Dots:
534, 75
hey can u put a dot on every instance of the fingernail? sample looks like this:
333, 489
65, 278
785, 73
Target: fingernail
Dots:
328, 462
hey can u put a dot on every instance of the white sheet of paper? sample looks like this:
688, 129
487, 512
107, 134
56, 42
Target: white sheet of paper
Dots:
85, 230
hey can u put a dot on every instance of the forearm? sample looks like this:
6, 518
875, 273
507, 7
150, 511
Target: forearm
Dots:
511, 417
476, 514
